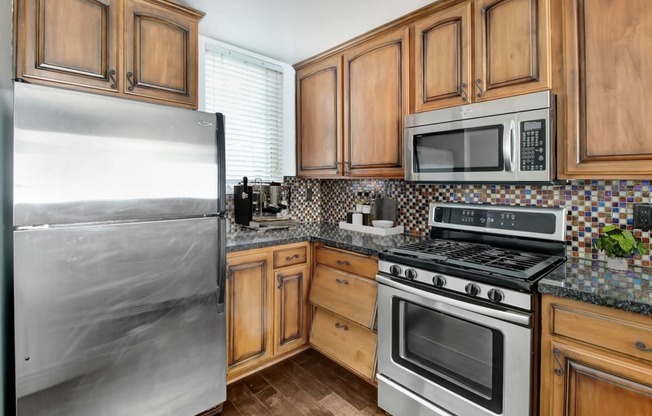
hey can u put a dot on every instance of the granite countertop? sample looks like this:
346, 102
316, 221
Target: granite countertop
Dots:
591, 282
239, 239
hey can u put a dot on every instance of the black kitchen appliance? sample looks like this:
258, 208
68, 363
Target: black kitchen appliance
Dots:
243, 201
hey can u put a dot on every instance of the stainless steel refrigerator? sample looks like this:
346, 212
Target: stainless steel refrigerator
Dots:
119, 256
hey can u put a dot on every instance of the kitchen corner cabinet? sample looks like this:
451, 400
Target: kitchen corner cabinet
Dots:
595, 361
481, 50
343, 295
351, 108
143, 49
267, 308
608, 71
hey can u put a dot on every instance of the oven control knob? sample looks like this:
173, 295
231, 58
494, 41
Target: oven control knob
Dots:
496, 295
439, 280
395, 270
472, 289
411, 274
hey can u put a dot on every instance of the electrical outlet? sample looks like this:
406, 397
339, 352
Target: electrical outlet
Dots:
308, 194
643, 216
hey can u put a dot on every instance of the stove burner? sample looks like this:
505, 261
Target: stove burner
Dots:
513, 263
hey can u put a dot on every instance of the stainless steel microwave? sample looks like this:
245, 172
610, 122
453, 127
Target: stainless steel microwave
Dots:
507, 140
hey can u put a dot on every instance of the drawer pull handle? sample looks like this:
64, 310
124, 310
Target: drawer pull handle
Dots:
559, 369
343, 263
288, 258
280, 281
641, 346
130, 78
342, 282
339, 325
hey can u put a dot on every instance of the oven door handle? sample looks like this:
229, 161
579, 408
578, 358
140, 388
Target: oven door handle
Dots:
514, 317
508, 146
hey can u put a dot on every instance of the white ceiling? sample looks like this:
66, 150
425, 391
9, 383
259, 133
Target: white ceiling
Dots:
293, 30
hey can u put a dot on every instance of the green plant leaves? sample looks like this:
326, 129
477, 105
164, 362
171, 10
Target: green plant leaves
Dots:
617, 242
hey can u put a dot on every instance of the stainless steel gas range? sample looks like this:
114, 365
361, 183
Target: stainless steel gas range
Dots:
457, 314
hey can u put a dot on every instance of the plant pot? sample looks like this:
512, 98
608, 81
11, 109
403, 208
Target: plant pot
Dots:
617, 263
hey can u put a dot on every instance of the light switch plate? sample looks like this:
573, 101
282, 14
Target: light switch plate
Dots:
643, 216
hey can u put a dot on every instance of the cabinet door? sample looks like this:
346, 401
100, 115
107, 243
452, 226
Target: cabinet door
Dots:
375, 105
442, 68
607, 50
291, 310
319, 118
249, 311
72, 42
511, 48
160, 52
588, 383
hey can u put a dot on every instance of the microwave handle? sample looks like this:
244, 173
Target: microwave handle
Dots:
508, 146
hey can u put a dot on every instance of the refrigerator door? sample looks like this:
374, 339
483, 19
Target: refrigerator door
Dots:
120, 319
82, 158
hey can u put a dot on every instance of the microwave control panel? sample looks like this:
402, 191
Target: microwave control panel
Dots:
533, 145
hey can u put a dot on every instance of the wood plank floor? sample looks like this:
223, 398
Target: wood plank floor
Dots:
307, 384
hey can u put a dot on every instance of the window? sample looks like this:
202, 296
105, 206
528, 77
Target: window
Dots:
249, 92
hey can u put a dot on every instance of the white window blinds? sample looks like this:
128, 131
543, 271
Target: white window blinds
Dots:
249, 92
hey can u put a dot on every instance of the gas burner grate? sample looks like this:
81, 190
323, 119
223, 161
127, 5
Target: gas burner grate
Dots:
473, 255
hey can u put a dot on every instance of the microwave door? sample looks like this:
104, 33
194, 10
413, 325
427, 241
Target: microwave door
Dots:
475, 150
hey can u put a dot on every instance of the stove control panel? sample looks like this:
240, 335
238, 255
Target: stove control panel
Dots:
497, 219
457, 284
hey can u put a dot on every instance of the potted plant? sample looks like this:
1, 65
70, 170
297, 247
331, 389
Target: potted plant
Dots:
618, 245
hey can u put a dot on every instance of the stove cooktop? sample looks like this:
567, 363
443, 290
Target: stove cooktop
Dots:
501, 266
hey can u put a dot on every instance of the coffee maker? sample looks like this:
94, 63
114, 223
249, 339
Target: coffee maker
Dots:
243, 201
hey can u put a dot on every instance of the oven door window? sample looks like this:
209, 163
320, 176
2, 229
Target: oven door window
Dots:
459, 355
463, 150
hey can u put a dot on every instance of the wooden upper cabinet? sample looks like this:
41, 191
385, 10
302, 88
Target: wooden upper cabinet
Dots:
319, 118
160, 51
375, 105
443, 73
144, 49
512, 48
74, 42
608, 71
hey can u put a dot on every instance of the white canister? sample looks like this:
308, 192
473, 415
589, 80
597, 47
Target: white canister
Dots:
358, 207
357, 218
366, 209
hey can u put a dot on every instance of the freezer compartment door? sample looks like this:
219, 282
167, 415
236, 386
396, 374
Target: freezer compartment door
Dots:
82, 157
119, 319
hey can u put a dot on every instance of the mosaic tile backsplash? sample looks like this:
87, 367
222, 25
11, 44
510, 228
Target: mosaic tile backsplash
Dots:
590, 204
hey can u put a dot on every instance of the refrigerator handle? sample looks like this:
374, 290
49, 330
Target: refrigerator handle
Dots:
221, 264
221, 164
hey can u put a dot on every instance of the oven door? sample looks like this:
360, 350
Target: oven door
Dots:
467, 358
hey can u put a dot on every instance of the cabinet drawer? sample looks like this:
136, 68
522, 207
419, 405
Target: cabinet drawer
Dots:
344, 294
344, 341
602, 330
347, 262
289, 256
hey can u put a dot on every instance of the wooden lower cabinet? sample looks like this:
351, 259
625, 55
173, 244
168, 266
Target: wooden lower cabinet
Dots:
267, 309
599, 368
291, 311
343, 295
352, 345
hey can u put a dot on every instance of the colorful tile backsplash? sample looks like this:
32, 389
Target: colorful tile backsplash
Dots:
590, 204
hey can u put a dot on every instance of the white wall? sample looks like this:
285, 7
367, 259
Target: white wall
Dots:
6, 111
